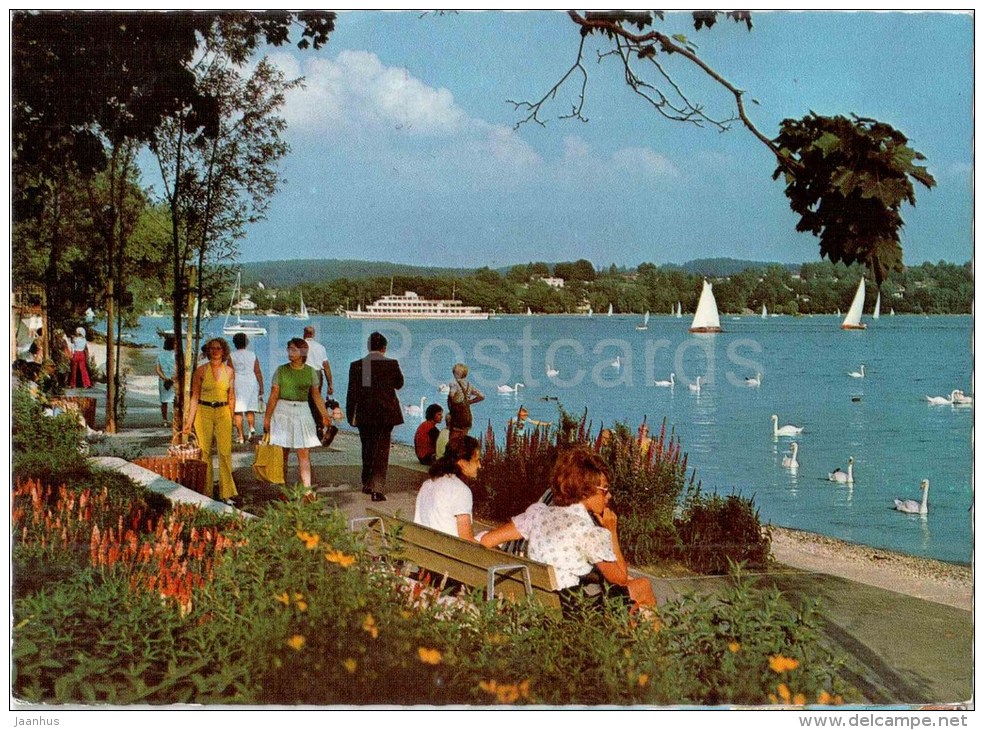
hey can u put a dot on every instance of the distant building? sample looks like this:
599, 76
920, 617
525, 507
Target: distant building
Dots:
553, 281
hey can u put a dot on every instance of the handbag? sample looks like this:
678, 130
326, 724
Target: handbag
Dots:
168, 384
268, 464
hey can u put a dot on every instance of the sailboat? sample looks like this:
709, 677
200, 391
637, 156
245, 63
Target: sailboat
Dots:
765, 312
853, 319
891, 312
303, 313
679, 312
877, 313
706, 317
590, 311
529, 312
246, 326
610, 310
645, 323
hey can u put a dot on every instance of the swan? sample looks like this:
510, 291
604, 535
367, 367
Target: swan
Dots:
754, 382
617, 362
444, 388
552, 372
939, 400
785, 430
790, 461
856, 374
513, 389
666, 383
843, 477
959, 399
912, 506
695, 386
417, 411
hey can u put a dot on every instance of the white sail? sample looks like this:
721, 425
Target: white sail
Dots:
853, 319
246, 326
645, 322
877, 313
303, 313
706, 317
529, 312
679, 312
765, 312
610, 310
891, 312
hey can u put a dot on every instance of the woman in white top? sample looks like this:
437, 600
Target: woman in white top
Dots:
445, 502
578, 532
249, 386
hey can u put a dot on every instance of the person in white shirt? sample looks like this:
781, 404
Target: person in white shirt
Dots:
578, 532
318, 359
445, 501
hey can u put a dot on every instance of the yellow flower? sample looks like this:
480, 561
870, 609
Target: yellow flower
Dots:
369, 626
350, 665
507, 693
429, 656
302, 606
487, 686
309, 539
298, 596
799, 699
284, 598
784, 693
824, 698
734, 647
337, 556
643, 680
524, 689
296, 642
780, 663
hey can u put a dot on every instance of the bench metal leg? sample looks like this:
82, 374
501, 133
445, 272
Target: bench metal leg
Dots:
495, 569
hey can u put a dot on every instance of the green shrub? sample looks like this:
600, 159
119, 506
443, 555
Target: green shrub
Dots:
717, 531
45, 447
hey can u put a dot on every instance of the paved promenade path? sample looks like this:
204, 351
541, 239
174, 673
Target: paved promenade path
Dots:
906, 650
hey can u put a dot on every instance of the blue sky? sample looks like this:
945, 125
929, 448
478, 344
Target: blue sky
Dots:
403, 146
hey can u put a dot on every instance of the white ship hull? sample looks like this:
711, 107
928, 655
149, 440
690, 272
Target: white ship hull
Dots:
411, 306
415, 315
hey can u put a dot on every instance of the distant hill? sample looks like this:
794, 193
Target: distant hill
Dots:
726, 266
310, 271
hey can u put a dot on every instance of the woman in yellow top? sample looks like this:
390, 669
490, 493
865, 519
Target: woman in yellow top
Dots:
213, 399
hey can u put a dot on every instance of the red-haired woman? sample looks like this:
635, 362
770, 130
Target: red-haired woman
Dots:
578, 532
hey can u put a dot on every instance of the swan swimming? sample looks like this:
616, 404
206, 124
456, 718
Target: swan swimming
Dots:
444, 388
695, 386
666, 383
552, 372
939, 400
754, 382
513, 389
790, 461
417, 411
912, 506
856, 374
959, 399
843, 477
785, 430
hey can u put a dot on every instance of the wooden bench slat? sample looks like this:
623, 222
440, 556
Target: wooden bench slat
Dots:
468, 562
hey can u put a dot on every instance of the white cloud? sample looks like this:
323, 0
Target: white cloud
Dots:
579, 160
644, 161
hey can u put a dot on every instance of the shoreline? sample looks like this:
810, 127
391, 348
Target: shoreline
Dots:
951, 584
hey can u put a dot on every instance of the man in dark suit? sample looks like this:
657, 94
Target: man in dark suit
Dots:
372, 407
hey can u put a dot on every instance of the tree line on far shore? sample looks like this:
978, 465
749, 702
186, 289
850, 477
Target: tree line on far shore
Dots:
817, 288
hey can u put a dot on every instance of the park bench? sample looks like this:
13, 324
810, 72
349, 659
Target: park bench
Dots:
499, 573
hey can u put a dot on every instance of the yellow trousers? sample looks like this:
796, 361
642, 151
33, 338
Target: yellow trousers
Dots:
216, 423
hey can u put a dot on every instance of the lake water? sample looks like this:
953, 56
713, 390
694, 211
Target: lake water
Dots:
883, 420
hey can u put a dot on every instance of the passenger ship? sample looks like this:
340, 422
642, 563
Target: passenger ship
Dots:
410, 305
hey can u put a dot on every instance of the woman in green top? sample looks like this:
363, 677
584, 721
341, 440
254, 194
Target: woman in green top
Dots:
288, 418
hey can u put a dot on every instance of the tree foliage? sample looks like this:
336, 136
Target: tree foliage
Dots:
852, 176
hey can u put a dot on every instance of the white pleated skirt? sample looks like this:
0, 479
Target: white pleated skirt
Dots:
292, 426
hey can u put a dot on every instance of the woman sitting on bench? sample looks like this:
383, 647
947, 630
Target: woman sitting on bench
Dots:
445, 502
578, 533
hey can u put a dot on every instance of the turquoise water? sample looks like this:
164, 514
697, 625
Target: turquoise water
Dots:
883, 420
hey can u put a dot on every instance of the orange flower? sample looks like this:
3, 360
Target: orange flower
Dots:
507, 693
784, 693
369, 626
283, 598
780, 663
487, 685
296, 642
824, 698
799, 699
309, 539
643, 680
734, 647
337, 556
524, 689
429, 656
350, 665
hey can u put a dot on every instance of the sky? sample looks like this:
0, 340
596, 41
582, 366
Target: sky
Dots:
404, 146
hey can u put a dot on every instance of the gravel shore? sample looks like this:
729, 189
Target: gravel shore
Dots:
930, 580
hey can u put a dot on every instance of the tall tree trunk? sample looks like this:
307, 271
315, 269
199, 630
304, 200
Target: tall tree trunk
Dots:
110, 229
178, 294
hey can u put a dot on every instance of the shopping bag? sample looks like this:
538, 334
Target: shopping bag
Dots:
268, 463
